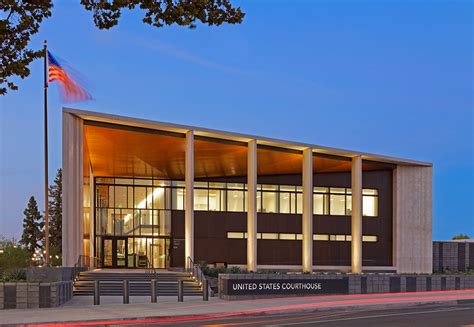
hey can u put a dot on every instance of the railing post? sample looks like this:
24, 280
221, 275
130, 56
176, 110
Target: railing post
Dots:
125, 292
180, 290
205, 290
153, 291
96, 292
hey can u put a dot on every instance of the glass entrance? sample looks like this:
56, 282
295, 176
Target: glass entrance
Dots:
114, 254
146, 252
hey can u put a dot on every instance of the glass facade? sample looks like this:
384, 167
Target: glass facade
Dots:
133, 216
299, 237
133, 222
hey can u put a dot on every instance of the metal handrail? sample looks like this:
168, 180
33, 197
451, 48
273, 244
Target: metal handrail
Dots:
197, 273
85, 263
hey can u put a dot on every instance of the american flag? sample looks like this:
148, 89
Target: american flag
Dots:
71, 90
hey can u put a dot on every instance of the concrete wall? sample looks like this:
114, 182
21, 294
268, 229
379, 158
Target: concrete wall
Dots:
412, 219
73, 180
357, 284
453, 256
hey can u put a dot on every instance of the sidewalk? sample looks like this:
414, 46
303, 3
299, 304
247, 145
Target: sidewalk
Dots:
81, 308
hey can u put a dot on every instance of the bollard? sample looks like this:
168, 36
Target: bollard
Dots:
205, 290
180, 290
125, 292
96, 292
153, 291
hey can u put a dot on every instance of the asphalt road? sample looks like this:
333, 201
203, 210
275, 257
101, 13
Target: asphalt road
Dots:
432, 316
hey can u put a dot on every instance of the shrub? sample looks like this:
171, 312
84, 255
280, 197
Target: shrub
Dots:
214, 272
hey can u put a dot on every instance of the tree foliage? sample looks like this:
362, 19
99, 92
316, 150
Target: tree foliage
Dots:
32, 227
55, 204
460, 237
24, 17
12, 256
22, 20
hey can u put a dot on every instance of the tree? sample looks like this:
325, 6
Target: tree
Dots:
24, 17
460, 237
32, 227
55, 204
12, 256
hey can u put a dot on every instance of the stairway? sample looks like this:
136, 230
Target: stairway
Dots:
111, 283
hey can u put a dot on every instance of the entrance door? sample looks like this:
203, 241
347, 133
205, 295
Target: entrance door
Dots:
114, 252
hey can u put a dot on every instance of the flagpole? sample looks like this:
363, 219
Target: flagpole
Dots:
46, 186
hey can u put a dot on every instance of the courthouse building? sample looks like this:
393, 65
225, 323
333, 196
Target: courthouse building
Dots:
140, 193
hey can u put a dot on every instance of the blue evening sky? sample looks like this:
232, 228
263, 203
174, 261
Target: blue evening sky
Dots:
389, 77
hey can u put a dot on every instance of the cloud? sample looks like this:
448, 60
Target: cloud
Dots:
172, 51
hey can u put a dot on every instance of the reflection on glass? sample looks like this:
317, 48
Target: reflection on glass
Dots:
140, 197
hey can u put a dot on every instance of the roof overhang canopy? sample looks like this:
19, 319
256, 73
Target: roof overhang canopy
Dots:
126, 147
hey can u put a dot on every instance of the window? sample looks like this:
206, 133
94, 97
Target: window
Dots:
320, 205
111, 201
369, 238
340, 237
120, 196
235, 200
218, 196
177, 198
270, 236
238, 235
337, 203
348, 205
200, 199
216, 200
290, 237
320, 237
269, 198
370, 206
159, 197
299, 203
285, 206
140, 197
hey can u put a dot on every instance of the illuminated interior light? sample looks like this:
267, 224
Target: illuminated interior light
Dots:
149, 198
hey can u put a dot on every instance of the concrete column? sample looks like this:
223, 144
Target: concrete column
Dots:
252, 206
356, 221
307, 210
73, 189
189, 203
91, 215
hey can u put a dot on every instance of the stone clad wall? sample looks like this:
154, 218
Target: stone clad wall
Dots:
34, 295
357, 284
412, 219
